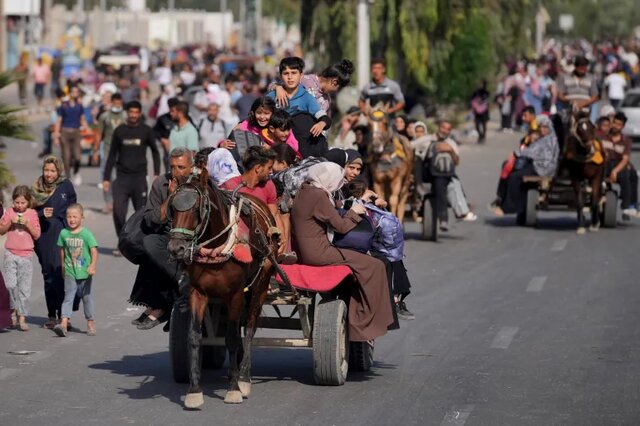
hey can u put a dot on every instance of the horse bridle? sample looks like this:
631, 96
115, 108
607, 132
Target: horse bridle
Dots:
183, 199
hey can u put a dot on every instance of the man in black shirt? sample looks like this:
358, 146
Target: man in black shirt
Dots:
162, 130
129, 154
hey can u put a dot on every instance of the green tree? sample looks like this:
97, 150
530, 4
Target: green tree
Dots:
11, 126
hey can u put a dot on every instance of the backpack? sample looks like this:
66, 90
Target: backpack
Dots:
289, 181
243, 141
389, 235
440, 163
359, 238
130, 241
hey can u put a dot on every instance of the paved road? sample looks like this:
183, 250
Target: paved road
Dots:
513, 326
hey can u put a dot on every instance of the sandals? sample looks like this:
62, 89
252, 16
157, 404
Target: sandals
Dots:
22, 326
50, 324
60, 330
91, 332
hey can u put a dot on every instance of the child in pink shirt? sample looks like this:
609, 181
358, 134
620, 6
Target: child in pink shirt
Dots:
22, 227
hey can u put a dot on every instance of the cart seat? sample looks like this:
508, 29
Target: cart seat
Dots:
315, 278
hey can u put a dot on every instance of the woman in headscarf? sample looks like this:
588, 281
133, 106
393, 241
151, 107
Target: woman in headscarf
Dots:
52, 194
313, 216
222, 166
540, 157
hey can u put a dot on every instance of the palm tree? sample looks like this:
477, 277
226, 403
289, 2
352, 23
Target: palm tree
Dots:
11, 126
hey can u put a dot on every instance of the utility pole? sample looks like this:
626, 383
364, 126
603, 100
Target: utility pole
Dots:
3, 37
364, 47
223, 13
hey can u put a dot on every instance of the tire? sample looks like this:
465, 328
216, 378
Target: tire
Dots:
610, 213
213, 357
531, 214
179, 345
330, 343
429, 220
360, 356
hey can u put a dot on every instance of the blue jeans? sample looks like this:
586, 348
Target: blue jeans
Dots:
81, 289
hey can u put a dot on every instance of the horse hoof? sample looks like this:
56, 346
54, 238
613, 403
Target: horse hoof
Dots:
193, 400
581, 231
233, 397
245, 389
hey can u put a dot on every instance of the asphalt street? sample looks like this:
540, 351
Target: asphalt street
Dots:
513, 326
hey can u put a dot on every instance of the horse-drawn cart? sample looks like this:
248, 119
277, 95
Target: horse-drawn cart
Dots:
319, 312
548, 194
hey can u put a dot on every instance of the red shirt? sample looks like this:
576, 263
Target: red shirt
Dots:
265, 191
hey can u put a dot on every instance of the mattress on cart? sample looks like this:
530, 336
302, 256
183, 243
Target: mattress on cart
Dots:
315, 278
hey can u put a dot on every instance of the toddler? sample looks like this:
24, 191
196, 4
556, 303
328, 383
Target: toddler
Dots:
79, 254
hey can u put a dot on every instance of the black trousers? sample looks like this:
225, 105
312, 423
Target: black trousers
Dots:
127, 188
440, 190
481, 125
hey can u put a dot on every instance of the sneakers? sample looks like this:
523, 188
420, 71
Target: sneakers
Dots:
631, 211
444, 226
77, 179
116, 253
469, 217
403, 312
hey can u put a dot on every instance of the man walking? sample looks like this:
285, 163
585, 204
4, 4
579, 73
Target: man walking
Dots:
129, 154
382, 90
184, 134
108, 122
67, 135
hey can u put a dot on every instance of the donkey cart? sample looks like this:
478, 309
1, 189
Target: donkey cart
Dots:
319, 310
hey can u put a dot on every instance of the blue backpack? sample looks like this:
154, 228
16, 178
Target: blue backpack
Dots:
389, 236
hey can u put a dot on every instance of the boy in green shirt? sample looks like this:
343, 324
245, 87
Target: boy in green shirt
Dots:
79, 253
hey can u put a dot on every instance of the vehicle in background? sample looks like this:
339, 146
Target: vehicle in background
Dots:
631, 108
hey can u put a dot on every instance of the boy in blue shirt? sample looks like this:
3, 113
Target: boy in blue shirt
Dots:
307, 118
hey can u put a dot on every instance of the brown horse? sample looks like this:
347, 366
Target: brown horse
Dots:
391, 162
584, 159
229, 264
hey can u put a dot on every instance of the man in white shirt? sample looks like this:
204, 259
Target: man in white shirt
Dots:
616, 84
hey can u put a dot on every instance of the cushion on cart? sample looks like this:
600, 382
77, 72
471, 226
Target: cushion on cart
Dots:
315, 278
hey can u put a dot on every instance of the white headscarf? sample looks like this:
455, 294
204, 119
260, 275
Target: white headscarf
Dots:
327, 176
222, 166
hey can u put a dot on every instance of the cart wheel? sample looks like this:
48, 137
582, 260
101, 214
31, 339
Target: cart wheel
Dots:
429, 220
360, 356
610, 213
330, 343
213, 357
530, 218
178, 345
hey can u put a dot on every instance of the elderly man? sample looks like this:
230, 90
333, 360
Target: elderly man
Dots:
151, 290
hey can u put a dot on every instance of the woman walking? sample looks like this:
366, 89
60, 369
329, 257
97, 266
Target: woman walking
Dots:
52, 194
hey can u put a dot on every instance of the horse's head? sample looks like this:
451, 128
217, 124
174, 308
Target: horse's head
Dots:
188, 210
379, 129
585, 132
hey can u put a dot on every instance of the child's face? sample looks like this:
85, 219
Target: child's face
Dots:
263, 115
352, 171
290, 78
74, 218
20, 204
279, 166
279, 135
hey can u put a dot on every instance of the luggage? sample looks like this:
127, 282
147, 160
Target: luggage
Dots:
389, 235
359, 238
440, 163
289, 181
130, 241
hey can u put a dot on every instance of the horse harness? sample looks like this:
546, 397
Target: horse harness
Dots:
596, 152
185, 197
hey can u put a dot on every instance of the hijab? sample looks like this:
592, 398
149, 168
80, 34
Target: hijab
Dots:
337, 156
353, 156
222, 166
327, 176
42, 190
